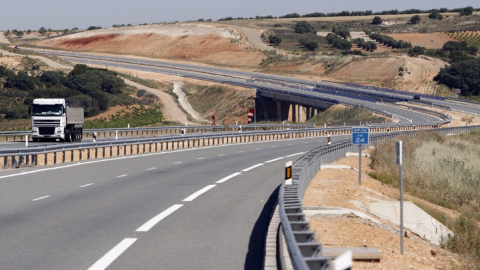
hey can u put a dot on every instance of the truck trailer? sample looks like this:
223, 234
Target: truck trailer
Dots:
57, 119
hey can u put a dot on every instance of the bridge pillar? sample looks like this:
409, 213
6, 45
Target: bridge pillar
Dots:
300, 113
279, 110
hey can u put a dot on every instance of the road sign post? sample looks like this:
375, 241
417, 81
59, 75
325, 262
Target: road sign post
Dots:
400, 163
360, 136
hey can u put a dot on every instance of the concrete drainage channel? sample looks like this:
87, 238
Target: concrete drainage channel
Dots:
297, 245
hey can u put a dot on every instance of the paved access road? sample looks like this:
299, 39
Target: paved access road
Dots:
189, 209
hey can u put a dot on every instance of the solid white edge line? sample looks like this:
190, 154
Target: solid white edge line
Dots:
273, 160
41, 198
225, 179
253, 167
152, 222
113, 254
198, 193
296, 154
86, 185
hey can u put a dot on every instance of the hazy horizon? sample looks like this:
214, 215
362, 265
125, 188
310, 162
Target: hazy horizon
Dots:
59, 14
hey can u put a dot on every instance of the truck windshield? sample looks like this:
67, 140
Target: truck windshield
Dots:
46, 110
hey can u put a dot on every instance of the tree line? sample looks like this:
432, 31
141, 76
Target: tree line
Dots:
465, 11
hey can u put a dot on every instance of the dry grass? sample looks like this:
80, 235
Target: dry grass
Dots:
444, 171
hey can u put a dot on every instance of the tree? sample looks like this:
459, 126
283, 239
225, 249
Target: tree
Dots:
415, 19
417, 50
304, 27
20, 81
343, 32
53, 77
377, 20
435, 15
42, 30
342, 44
331, 37
311, 45
466, 11
464, 75
275, 40
370, 46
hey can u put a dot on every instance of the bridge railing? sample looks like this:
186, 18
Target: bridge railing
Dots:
304, 250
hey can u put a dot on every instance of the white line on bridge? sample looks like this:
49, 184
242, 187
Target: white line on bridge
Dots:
201, 158
198, 193
221, 155
123, 175
152, 222
113, 254
253, 167
225, 179
149, 169
178, 162
41, 198
87, 185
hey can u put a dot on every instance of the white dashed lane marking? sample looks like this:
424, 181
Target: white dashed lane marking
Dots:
41, 198
152, 222
198, 193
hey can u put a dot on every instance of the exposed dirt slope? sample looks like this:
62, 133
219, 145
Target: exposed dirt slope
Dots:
427, 40
203, 43
417, 74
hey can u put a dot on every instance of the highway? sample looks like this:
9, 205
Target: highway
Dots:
250, 79
205, 208
403, 115
112, 211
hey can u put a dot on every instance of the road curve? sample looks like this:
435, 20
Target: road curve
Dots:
189, 209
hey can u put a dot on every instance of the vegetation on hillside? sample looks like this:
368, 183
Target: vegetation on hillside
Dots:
444, 171
98, 89
133, 117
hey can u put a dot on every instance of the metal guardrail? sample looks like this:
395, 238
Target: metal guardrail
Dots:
27, 156
146, 131
305, 252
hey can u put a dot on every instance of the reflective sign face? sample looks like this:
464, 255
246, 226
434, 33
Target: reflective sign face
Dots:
360, 135
288, 173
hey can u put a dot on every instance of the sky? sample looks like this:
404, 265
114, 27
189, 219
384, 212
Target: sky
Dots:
67, 14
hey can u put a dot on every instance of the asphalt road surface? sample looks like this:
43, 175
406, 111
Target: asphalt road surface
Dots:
204, 208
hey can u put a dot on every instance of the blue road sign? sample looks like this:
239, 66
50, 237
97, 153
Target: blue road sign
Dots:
360, 135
